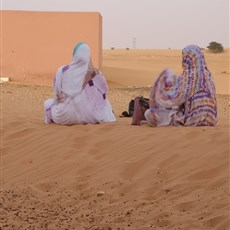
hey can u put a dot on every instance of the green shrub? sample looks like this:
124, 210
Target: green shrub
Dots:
215, 47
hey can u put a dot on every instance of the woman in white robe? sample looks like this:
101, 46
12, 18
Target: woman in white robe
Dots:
79, 93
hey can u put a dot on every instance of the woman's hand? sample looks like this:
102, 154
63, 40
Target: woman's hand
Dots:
91, 73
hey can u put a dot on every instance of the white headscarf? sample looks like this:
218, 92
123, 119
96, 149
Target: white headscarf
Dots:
78, 98
69, 79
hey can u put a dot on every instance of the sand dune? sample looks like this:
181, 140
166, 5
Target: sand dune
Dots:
163, 178
140, 68
114, 176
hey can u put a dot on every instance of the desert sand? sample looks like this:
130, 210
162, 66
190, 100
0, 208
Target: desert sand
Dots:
114, 176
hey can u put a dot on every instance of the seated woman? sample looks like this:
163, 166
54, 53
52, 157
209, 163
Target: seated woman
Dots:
79, 93
186, 100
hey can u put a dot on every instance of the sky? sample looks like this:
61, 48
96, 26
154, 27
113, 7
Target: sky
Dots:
152, 24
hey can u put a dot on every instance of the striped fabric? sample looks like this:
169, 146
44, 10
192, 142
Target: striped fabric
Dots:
193, 91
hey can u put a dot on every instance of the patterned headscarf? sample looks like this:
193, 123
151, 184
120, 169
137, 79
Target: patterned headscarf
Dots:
192, 93
195, 78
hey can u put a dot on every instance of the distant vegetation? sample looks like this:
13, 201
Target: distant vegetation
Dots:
215, 47
113, 48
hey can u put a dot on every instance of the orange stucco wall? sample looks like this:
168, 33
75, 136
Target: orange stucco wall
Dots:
35, 44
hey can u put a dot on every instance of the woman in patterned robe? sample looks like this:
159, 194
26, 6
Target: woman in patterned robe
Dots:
186, 100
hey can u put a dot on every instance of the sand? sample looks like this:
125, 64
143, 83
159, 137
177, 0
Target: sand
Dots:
114, 176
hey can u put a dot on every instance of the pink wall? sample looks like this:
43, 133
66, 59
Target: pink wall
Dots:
35, 44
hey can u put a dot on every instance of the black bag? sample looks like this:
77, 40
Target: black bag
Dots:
131, 108
144, 102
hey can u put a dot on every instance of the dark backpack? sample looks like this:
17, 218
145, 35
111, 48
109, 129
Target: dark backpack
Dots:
144, 102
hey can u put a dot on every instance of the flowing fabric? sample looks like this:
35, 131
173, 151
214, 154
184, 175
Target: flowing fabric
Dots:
190, 99
76, 100
159, 113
